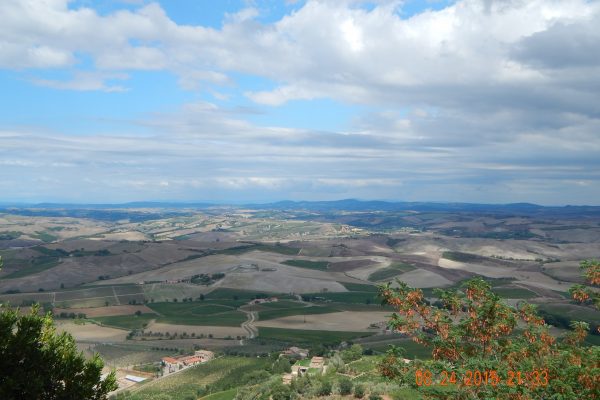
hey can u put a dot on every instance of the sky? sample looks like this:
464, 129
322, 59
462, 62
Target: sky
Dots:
482, 101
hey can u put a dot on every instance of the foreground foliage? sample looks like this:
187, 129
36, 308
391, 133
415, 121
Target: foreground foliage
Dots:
483, 348
38, 363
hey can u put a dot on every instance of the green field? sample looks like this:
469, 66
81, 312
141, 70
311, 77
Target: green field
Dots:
10, 235
286, 312
128, 322
289, 251
393, 270
318, 265
197, 313
44, 236
462, 257
242, 296
381, 343
360, 287
221, 374
309, 337
280, 304
571, 312
268, 248
346, 297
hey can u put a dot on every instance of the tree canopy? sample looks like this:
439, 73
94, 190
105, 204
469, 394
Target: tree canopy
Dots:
484, 348
38, 363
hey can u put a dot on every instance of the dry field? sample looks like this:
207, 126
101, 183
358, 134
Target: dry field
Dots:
355, 321
78, 270
271, 275
279, 282
565, 271
531, 278
180, 270
89, 332
61, 227
129, 236
420, 278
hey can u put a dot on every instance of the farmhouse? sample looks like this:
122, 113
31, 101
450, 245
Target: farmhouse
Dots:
295, 352
172, 364
205, 355
261, 301
287, 379
299, 370
175, 363
317, 362
190, 360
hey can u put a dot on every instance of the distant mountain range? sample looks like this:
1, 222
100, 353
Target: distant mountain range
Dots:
325, 206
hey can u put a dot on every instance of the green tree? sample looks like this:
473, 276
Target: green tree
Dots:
38, 363
353, 353
281, 365
336, 362
279, 391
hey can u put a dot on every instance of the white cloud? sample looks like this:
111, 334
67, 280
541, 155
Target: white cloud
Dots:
492, 94
85, 81
324, 49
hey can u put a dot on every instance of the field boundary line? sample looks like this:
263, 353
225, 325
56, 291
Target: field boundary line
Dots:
116, 297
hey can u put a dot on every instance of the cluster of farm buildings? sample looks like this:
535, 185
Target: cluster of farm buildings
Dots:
172, 364
316, 364
265, 300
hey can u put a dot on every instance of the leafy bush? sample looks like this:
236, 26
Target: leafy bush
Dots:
476, 331
324, 389
345, 386
359, 391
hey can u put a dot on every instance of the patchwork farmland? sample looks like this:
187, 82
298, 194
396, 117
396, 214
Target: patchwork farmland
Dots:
253, 281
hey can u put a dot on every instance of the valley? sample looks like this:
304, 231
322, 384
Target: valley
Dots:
140, 284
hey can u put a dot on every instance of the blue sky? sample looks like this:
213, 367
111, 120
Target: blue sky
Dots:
471, 101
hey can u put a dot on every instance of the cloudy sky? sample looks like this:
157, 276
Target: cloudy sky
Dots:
243, 101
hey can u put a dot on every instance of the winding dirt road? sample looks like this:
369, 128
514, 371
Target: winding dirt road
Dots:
248, 325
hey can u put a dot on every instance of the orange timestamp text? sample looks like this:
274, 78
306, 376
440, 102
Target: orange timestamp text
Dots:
425, 377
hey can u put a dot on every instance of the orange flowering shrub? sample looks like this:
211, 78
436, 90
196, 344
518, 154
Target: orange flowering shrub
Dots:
483, 348
583, 294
